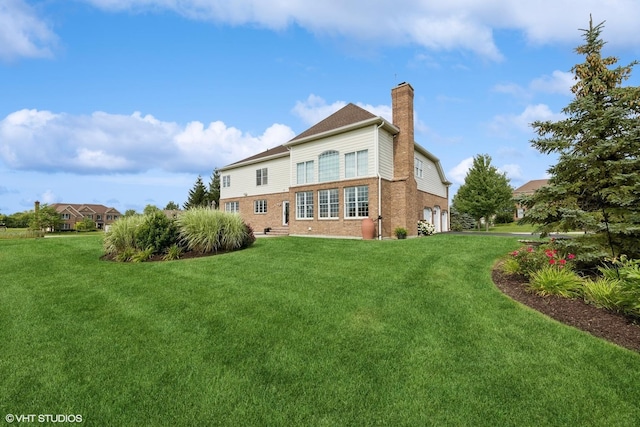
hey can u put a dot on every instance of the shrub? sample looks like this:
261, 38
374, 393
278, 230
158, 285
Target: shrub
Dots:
156, 232
206, 230
627, 272
173, 253
142, 256
126, 254
425, 228
531, 259
400, 232
122, 234
555, 281
601, 292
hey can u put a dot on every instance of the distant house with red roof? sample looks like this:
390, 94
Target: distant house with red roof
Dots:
72, 213
526, 190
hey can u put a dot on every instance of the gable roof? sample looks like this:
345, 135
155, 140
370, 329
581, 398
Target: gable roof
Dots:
347, 115
271, 152
77, 207
531, 186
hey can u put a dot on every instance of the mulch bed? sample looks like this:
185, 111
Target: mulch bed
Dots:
614, 327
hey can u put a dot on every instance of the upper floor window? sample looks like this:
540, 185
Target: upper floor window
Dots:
226, 181
231, 207
328, 166
417, 163
261, 176
65, 216
304, 172
356, 164
356, 202
99, 217
90, 216
260, 206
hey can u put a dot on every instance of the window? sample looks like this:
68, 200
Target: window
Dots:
304, 205
260, 206
65, 216
115, 217
356, 202
99, 217
109, 217
328, 203
231, 207
261, 176
66, 226
328, 166
356, 164
90, 216
226, 181
417, 163
304, 172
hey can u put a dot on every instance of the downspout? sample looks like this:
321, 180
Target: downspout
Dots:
377, 160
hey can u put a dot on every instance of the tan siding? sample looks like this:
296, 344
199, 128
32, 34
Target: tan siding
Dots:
386, 155
243, 179
430, 181
356, 140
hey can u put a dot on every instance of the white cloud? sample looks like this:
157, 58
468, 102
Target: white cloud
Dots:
502, 125
315, 108
22, 32
111, 143
459, 172
558, 82
436, 25
48, 197
513, 171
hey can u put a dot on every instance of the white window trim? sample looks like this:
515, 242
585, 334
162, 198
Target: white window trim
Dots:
260, 207
329, 218
346, 216
305, 218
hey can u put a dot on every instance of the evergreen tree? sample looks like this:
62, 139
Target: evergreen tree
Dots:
214, 189
172, 206
485, 191
197, 195
594, 186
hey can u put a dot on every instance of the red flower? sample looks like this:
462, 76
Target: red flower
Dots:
562, 261
571, 256
552, 261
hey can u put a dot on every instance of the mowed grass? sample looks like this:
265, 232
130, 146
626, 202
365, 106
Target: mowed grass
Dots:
296, 331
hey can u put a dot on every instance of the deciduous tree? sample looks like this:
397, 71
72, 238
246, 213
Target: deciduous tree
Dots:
485, 191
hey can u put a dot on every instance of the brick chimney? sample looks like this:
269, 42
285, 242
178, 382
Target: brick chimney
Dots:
403, 190
402, 105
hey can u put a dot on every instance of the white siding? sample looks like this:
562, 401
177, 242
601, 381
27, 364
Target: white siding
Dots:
385, 141
243, 179
430, 181
356, 140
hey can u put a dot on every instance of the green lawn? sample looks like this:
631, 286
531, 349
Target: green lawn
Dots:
296, 331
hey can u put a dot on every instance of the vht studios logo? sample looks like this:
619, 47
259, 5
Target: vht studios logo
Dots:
43, 418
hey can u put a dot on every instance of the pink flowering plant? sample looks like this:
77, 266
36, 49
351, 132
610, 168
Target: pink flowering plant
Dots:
530, 259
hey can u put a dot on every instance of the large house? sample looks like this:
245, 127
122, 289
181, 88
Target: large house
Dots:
71, 214
526, 189
351, 166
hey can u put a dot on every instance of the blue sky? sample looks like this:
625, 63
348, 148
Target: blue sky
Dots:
126, 102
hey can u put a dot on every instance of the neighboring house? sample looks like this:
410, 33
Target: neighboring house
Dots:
71, 214
350, 166
526, 190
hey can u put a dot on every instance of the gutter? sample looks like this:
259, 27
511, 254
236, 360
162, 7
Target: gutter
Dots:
377, 160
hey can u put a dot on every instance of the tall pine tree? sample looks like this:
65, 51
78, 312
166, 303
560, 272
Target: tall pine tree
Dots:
485, 191
198, 196
214, 189
595, 184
